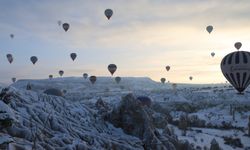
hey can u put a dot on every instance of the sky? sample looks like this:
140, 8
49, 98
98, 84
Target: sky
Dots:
141, 38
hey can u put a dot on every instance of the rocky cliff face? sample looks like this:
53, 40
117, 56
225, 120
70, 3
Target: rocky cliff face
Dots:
138, 120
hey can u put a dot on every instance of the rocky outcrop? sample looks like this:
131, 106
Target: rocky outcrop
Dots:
137, 120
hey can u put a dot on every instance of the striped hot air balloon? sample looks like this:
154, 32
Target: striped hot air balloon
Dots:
236, 69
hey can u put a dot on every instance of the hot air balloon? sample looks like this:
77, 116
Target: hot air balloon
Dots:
118, 79
61, 72
237, 45
92, 79
12, 36
50, 76
13, 80
33, 59
167, 68
209, 29
190, 78
212, 54
10, 58
73, 56
112, 68
65, 27
108, 13
236, 69
85, 75
59, 22
163, 80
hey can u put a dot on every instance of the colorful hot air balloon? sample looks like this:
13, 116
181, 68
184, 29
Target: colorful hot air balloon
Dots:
236, 69
92, 79
85, 75
108, 13
209, 29
112, 68
10, 58
65, 27
212, 54
73, 56
163, 80
12, 36
50, 76
118, 79
33, 59
61, 72
167, 68
13, 80
237, 45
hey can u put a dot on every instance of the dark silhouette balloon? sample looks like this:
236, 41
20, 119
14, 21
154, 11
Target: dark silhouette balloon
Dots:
145, 101
118, 79
13, 80
50, 76
59, 22
73, 56
108, 13
92, 79
65, 27
112, 68
33, 59
10, 58
237, 45
191, 78
163, 80
209, 29
85, 75
212, 54
236, 69
167, 68
12, 36
61, 72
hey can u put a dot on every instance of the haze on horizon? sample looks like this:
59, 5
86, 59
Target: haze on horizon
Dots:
141, 38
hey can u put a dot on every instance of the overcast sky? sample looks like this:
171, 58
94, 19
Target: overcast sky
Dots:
141, 38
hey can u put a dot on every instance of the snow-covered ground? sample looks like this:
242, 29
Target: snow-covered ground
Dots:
71, 119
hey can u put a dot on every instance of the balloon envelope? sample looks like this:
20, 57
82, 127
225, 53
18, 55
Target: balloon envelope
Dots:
85, 75
33, 59
167, 68
236, 69
237, 45
10, 58
13, 80
65, 27
118, 79
190, 78
212, 54
61, 72
92, 79
59, 22
73, 56
163, 80
50, 76
209, 29
12, 36
112, 68
108, 13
